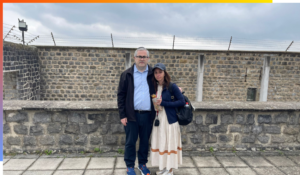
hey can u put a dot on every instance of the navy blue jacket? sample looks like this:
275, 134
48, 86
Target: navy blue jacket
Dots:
170, 105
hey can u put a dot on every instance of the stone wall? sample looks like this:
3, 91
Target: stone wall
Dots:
21, 72
76, 127
76, 73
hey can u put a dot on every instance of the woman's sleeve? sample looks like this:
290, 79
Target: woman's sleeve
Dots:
178, 95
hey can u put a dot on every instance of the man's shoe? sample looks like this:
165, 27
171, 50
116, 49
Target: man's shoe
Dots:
144, 170
130, 171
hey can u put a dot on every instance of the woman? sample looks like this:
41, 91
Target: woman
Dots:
166, 149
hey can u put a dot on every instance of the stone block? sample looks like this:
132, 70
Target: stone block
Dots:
263, 138
257, 129
225, 138
183, 139
291, 130
104, 129
272, 129
36, 130
248, 139
247, 129
211, 119
210, 138
191, 128
281, 118
235, 129
199, 119
250, 119
29, 141
72, 129
117, 128
100, 117
65, 140
110, 140
278, 139
204, 128
240, 119
113, 117
6, 129
54, 128
196, 138
42, 117
60, 117
14, 140
80, 140
264, 119
47, 140
219, 129
21, 129
226, 119
95, 140
89, 128
17, 117
293, 119
76, 117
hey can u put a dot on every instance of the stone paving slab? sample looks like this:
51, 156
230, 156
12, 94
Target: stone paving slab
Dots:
295, 159
206, 162
5, 160
231, 162
12, 172
98, 172
46, 164
102, 163
121, 164
69, 172
74, 163
37, 173
26, 156
256, 161
240, 171
18, 164
213, 171
186, 171
187, 162
281, 161
291, 170
268, 171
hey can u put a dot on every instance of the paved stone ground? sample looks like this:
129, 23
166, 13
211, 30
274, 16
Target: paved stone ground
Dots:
201, 163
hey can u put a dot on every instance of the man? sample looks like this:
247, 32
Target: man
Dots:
136, 110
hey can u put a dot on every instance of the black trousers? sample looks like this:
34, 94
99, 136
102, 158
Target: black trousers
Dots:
142, 128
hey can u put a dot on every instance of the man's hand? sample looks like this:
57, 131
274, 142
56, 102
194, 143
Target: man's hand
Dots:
124, 121
180, 89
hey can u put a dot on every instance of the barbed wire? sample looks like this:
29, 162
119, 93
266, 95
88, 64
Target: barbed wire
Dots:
164, 42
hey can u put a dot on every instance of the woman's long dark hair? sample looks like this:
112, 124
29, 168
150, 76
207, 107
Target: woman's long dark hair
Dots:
167, 80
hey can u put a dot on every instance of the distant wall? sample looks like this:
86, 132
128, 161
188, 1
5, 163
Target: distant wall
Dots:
77, 73
21, 72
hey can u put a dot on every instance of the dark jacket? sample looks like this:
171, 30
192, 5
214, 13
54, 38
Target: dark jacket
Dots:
126, 93
170, 105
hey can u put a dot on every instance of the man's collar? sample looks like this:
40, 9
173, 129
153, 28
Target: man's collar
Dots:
136, 70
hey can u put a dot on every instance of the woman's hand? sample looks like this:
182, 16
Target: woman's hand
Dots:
158, 102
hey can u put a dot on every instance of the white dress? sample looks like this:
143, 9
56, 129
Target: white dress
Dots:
166, 147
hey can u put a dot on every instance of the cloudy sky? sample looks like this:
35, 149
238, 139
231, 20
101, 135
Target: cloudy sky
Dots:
195, 26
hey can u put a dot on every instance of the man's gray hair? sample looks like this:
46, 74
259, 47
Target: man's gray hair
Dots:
139, 49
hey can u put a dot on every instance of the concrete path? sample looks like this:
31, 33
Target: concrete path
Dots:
219, 163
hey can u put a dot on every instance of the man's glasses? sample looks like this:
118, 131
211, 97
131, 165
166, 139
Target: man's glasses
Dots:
142, 57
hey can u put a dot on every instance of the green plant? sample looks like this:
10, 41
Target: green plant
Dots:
280, 152
96, 149
211, 149
48, 152
100, 151
233, 150
82, 152
120, 151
